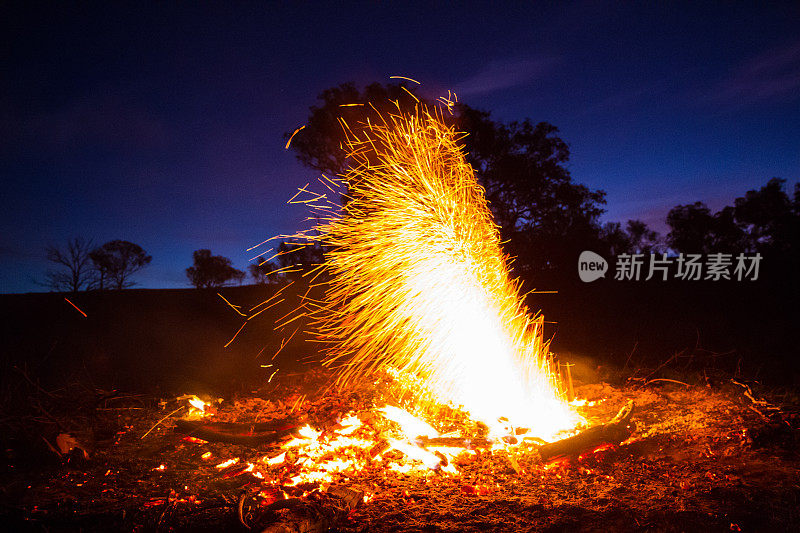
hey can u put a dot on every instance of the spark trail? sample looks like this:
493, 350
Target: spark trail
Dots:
419, 283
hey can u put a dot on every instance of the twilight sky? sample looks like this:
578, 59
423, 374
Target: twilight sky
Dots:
162, 124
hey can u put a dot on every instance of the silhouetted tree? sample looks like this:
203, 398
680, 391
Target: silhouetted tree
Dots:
690, 228
727, 235
262, 273
116, 261
796, 202
643, 240
769, 218
73, 266
615, 239
211, 271
766, 220
545, 216
635, 238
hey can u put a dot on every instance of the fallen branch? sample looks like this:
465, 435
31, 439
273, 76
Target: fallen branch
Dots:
456, 442
252, 435
614, 432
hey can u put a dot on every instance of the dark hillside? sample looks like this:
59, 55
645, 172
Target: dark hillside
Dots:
727, 325
142, 340
173, 340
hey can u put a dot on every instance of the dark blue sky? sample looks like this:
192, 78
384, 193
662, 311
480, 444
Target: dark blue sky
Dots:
162, 124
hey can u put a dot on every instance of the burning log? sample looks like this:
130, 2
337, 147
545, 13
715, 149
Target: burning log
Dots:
252, 435
620, 428
316, 513
456, 442
379, 447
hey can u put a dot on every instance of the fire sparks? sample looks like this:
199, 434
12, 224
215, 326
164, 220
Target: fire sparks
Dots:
289, 142
419, 282
76, 307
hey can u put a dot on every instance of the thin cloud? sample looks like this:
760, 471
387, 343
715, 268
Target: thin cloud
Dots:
768, 77
503, 74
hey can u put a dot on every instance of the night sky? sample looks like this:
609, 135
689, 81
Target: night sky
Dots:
163, 124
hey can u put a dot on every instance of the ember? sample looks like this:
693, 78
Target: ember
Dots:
692, 462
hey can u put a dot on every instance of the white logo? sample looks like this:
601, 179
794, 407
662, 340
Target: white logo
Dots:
591, 266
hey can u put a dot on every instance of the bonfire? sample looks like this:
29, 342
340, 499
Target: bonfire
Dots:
419, 301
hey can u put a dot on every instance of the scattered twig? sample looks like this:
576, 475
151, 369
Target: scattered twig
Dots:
240, 508
662, 365
628, 360
667, 380
29, 380
748, 393
52, 448
38, 405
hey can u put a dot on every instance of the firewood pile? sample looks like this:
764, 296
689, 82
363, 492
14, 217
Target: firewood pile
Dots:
298, 456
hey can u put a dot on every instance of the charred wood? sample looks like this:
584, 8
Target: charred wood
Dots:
243, 434
456, 442
614, 432
316, 513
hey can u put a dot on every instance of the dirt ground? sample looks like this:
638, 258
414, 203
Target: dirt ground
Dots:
705, 456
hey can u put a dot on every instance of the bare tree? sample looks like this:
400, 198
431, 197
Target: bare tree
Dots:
73, 269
